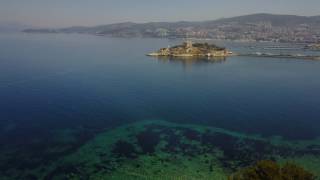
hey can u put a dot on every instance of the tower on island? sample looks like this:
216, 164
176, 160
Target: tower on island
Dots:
189, 44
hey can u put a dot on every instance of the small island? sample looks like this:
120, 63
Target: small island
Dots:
190, 49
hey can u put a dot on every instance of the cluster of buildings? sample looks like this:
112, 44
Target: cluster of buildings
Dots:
262, 31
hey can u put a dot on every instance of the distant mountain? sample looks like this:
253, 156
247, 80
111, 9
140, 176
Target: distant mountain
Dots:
275, 20
12, 27
267, 27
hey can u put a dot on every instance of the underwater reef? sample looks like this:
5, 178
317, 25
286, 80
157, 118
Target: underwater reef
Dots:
158, 149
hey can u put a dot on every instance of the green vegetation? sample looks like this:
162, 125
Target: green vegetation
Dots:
270, 170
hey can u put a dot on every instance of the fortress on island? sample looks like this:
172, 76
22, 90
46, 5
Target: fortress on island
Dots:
190, 49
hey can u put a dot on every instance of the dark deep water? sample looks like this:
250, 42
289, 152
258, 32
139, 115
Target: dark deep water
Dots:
89, 84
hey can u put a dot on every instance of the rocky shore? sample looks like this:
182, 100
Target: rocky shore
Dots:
315, 47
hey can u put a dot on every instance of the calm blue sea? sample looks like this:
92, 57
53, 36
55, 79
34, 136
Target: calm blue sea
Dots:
89, 83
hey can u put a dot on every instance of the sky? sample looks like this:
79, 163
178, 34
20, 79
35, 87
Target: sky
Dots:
63, 13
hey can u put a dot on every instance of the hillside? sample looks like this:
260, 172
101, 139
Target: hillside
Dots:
268, 27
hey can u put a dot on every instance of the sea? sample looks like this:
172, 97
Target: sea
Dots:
75, 106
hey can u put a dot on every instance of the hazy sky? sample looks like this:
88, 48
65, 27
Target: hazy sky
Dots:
53, 13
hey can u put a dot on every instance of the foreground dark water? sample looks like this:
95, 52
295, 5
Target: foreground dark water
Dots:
84, 85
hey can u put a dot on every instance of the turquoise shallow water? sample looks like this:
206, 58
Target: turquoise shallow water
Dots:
60, 91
